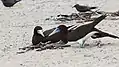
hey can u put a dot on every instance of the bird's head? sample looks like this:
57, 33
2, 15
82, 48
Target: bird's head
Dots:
76, 5
38, 30
63, 29
60, 29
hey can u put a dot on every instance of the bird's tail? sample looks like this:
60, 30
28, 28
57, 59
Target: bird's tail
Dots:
103, 34
113, 36
99, 19
93, 7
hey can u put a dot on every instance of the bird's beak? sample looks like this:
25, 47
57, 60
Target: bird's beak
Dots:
41, 32
73, 6
55, 31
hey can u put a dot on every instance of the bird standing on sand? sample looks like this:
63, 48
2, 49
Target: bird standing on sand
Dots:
9, 3
82, 8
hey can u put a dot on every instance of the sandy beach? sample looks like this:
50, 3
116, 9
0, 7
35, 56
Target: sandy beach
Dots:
16, 30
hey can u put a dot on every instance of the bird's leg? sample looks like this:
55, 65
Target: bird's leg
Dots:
82, 40
81, 43
80, 16
93, 12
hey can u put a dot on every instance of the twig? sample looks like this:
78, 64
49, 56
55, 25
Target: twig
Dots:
52, 46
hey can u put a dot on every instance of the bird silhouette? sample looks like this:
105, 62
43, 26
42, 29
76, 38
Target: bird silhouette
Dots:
82, 8
9, 3
83, 32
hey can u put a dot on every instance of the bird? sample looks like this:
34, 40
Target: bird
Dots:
56, 34
81, 33
9, 3
37, 39
38, 35
40, 38
52, 35
55, 37
82, 8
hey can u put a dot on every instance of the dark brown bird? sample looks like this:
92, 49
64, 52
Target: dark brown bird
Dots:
84, 32
9, 3
52, 35
38, 35
56, 34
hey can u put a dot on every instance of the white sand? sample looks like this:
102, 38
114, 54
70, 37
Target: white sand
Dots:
16, 28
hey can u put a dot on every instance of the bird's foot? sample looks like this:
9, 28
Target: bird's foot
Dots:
82, 46
81, 43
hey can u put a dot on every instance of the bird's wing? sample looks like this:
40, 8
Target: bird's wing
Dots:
48, 32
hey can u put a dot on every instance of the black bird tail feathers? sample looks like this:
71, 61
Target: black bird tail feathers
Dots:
93, 7
113, 36
97, 20
102, 34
